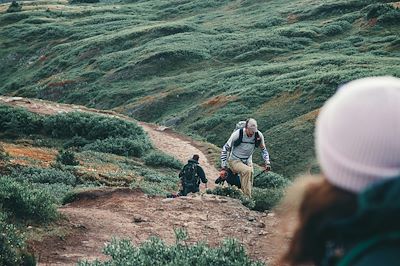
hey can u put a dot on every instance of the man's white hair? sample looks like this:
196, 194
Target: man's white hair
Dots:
252, 124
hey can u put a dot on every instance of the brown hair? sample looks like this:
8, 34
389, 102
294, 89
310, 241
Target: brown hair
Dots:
321, 203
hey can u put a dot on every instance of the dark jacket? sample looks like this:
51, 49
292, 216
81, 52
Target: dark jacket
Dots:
192, 187
200, 171
372, 235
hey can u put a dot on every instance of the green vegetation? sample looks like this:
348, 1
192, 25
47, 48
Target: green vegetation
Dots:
156, 252
12, 245
78, 130
67, 157
267, 192
271, 180
28, 196
24, 201
157, 158
201, 66
3, 154
120, 146
155, 183
43, 175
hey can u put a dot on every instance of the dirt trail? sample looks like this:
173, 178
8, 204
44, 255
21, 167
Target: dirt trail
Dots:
180, 148
101, 214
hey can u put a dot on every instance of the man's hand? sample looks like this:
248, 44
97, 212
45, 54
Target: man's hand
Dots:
267, 168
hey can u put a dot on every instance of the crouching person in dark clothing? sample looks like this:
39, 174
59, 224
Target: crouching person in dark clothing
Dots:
190, 176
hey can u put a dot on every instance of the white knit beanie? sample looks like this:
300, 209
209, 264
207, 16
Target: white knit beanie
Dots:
358, 133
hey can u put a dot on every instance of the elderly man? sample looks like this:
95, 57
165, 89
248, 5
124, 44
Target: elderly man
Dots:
238, 152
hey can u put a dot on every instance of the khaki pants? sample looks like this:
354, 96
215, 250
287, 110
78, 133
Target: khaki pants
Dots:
246, 175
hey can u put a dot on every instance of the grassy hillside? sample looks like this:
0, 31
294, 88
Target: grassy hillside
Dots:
201, 65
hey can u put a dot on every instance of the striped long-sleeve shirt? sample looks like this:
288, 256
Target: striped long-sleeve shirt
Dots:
244, 151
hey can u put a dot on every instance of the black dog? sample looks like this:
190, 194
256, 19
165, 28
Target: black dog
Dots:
231, 178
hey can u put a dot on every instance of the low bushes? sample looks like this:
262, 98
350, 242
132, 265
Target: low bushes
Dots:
12, 244
120, 146
154, 183
23, 201
43, 176
90, 126
17, 121
335, 28
266, 199
268, 191
84, 131
271, 180
3, 154
68, 125
67, 157
76, 142
158, 158
156, 252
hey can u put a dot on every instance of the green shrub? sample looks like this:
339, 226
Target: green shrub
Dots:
155, 183
158, 158
76, 142
232, 192
299, 32
17, 121
120, 146
43, 175
271, 180
392, 17
67, 157
336, 45
11, 243
332, 29
266, 199
91, 126
26, 202
152, 188
3, 154
376, 10
156, 177
337, 7
262, 198
270, 22
156, 252
57, 190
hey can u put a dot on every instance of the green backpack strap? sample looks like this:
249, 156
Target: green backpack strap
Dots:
361, 249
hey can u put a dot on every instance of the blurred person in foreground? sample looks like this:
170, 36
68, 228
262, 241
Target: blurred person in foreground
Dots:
351, 216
